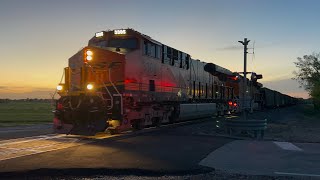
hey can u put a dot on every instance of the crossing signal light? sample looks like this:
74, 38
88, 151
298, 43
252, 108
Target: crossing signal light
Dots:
255, 77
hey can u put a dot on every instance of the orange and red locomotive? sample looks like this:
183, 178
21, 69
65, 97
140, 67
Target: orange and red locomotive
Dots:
124, 79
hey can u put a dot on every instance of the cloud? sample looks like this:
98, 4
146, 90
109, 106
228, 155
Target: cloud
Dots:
250, 46
230, 48
287, 86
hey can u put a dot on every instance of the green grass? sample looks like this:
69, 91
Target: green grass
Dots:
25, 113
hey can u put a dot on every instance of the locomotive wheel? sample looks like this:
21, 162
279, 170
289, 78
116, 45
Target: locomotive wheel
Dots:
219, 113
172, 119
113, 131
156, 121
137, 125
174, 116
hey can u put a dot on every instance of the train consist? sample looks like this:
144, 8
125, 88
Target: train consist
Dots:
274, 99
124, 79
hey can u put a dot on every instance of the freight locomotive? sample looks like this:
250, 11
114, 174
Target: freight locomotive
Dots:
126, 80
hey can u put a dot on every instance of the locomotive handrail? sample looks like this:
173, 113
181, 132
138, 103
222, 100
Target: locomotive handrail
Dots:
111, 98
121, 98
105, 86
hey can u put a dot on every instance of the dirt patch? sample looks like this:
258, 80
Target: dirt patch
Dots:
299, 123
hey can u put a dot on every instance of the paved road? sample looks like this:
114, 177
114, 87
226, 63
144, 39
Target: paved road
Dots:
267, 158
167, 150
25, 131
177, 149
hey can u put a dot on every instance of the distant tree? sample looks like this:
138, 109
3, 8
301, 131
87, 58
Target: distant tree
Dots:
308, 75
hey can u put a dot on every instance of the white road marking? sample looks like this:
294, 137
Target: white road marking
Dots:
14, 148
287, 146
28, 139
54, 149
297, 174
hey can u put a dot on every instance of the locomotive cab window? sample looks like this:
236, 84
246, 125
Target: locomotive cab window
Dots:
127, 43
130, 43
169, 55
175, 58
187, 61
101, 43
151, 49
166, 54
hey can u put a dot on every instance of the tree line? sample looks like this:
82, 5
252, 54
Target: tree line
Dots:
25, 100
308, 76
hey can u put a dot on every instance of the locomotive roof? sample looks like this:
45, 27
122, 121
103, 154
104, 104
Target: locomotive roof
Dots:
130, 30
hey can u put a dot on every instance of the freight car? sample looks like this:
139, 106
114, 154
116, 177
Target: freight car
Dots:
275, 99
124, 79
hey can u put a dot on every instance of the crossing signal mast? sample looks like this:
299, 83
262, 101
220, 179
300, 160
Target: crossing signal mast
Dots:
244, 88
254, 78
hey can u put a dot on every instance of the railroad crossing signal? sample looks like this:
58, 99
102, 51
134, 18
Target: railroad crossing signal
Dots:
255, 76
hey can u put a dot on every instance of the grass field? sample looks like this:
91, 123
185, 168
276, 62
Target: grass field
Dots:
25, 113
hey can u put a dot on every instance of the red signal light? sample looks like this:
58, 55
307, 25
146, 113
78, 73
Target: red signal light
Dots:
235, 104
230, 103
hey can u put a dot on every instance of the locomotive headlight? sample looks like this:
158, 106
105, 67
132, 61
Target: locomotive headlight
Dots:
90, 86
59, 87
89, 53
89, 58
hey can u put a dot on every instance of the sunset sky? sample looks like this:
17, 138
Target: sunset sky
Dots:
38, 37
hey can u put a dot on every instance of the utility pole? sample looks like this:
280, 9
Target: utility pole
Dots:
245, 44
